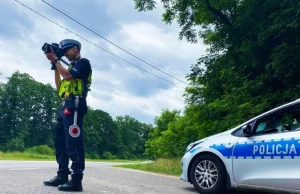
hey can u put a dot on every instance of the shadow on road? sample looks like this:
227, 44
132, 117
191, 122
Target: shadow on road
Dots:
193, 190
190, 189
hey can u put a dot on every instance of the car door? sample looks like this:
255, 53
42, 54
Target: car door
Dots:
270, 156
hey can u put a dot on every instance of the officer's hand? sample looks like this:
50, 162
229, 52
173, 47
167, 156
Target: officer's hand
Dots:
51, 56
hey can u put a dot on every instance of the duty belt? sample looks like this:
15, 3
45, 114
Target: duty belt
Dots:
64, 100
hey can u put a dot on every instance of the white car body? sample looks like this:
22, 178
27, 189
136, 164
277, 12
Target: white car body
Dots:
262, 162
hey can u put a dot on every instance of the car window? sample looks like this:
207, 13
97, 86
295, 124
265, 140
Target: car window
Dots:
284, 121
239, 132
262, 126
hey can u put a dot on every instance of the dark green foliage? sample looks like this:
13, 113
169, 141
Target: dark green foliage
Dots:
252, 64
27, 111
41, 149
133, 136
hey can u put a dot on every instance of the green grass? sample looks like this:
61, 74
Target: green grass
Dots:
35, 156
161, 166
112, 160
25, 156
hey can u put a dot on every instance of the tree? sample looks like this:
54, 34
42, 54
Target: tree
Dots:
133, 136
26, 112
101, 134
156, 145
211, 15
2, 111
252, 61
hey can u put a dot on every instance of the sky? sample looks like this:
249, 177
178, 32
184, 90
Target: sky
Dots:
118, 87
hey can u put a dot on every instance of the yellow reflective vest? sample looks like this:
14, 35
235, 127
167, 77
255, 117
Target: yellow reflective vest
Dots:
75, 86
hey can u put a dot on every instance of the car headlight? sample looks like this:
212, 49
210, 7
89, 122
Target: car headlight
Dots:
191, 146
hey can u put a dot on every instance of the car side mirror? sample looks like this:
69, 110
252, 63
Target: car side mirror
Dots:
247, 130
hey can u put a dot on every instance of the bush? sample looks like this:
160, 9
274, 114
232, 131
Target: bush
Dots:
124, 155
16, 144
92, 155
42, 149
108, 155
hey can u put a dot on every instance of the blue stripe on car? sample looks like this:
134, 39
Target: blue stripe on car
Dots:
283, 148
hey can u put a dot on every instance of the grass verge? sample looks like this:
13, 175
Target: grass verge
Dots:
43, 157
161, 165
25, 156
112, 160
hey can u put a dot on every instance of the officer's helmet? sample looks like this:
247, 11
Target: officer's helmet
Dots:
68, 43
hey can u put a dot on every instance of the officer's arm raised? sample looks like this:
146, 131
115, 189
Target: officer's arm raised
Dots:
63, 71
57, 79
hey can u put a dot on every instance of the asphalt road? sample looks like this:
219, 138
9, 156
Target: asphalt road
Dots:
26, 177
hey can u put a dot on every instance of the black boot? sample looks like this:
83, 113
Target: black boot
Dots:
57, 180
73, 185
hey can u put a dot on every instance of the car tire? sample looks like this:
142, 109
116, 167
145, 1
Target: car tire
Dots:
211, 174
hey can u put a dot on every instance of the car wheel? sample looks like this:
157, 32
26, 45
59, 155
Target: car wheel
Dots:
208, 174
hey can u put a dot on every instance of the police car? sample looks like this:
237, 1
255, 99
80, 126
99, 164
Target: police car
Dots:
262, 154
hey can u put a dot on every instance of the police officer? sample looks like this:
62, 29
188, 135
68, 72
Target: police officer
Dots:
73, 89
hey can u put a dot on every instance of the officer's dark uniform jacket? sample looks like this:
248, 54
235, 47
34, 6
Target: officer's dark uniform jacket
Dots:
68, 146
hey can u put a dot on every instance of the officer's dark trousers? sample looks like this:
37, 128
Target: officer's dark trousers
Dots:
67, 146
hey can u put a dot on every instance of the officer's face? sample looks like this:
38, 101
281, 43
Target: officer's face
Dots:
71, 53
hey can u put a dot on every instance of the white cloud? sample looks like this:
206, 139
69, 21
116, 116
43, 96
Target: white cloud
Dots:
159, 47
